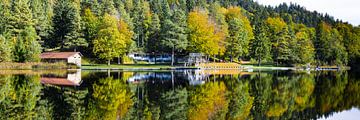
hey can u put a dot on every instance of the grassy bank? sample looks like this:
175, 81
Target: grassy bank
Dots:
130, 66
33, 65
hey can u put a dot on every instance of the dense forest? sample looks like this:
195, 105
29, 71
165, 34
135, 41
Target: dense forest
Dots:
228, 29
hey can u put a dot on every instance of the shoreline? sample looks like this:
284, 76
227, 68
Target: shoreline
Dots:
62, 66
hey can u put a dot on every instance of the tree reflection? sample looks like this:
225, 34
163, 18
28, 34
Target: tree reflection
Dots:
168, 95
240, 99
108, 98
207, 101
20, 98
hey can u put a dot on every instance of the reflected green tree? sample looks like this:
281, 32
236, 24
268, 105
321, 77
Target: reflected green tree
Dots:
174, 104
261, 89
240, 99
20, 98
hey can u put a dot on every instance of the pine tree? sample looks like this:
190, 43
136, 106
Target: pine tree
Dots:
174, 35
261, 45
107, 6
5, 50
5, 9
21, 17
329, 49
67, 26
154, 43
280, 38
27, 47
42, 20
142, 20
240, 33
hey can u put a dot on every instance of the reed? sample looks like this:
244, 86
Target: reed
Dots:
34, 65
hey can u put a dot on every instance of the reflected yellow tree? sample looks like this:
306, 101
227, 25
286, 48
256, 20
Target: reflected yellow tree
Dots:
207, 100
108, 99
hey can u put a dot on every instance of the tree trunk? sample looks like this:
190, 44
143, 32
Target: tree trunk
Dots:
172, 56
108, 62
119, 60
155, 57
214, 58
259, 61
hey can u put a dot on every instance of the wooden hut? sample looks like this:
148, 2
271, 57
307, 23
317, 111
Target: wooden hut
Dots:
67, 57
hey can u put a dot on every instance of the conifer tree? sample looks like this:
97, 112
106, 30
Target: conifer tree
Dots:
41, 19
5, 50
67, 26
174, 37
261, 45
154, 43
27, 47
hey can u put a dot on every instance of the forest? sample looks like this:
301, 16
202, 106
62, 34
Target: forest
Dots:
230, 30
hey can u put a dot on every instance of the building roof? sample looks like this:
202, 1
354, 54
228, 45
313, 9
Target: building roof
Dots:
58, 55
58, 81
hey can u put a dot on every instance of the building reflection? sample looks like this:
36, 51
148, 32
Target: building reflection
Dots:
194, 77
71, 78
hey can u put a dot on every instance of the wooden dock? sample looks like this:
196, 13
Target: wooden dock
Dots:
219, 66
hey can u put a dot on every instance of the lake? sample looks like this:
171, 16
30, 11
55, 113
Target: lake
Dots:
183, 94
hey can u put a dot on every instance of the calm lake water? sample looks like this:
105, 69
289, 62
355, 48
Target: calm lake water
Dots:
193, 94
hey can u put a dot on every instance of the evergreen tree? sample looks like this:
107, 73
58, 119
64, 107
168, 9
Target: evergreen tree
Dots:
5, 9
67, 26
174, 35
303, 47
107, 6
329, 49
261, 45
142, 20
21, 17
41, 19
154, 43
27, 47
280, 38
5, 50
240, 33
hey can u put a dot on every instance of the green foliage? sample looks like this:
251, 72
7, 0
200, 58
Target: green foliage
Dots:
174, 37
240, 33
261, 45
5, 50
281, 39
67, 26
109, 94
154, 43
223, 28
109, 42
174, 104
41, 14
27, 47
330, 49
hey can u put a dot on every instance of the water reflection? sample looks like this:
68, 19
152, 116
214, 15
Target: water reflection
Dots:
194, 95
71, 78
